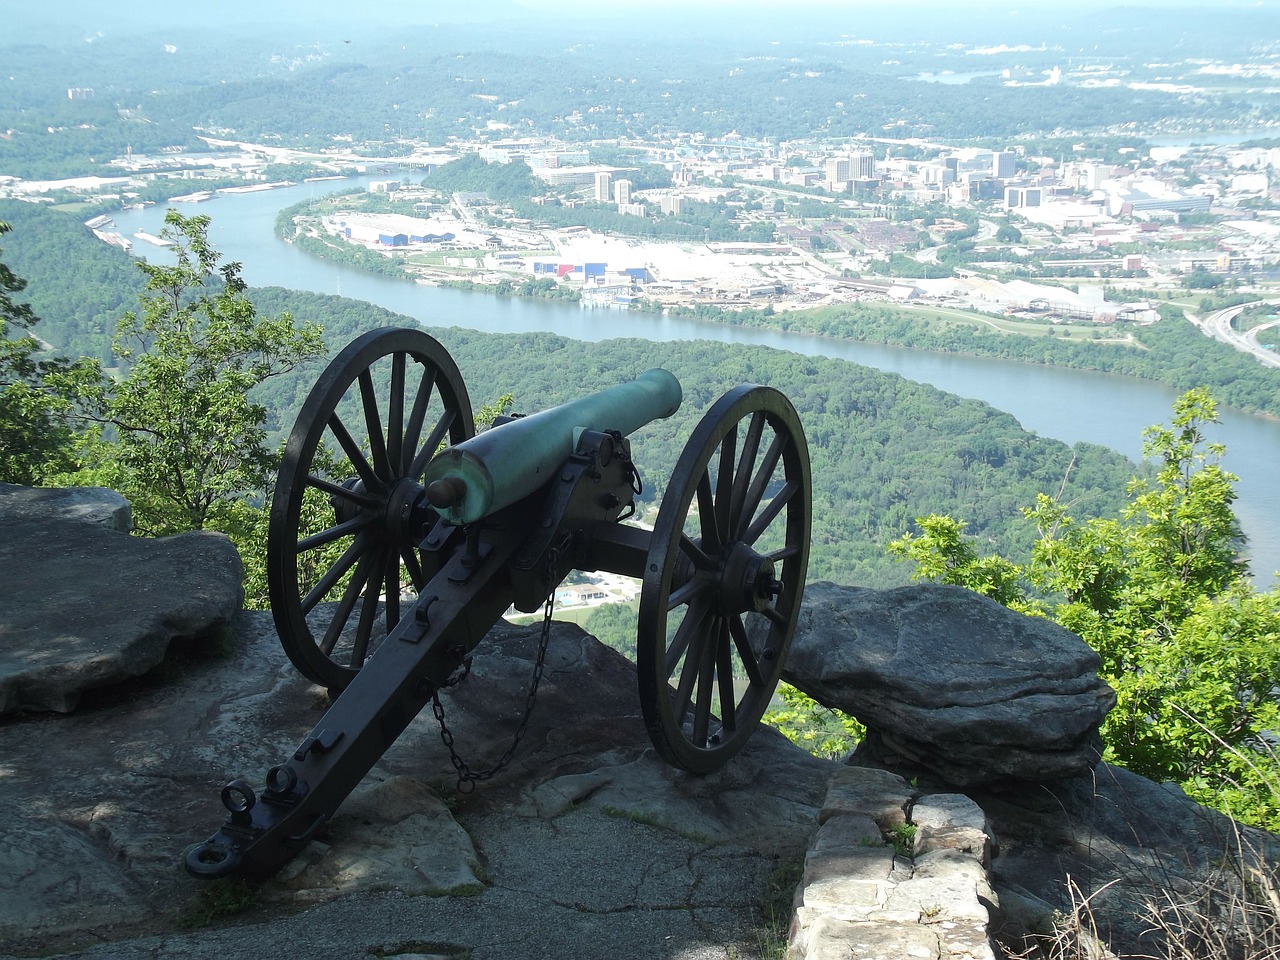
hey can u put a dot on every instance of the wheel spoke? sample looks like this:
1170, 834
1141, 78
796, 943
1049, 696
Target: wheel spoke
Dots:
373, 426
687, 592
395, 416
770, 512
352, 526
783, 553
368, 614
701, 561
429, 448
417, 417
750, 449
354, 453
411, 564
724, 483
392, 581
337, 490
707, 515
760, 483
354, 552
724, 679
746, 655
348, 603
695, 656
689, 628
706, 684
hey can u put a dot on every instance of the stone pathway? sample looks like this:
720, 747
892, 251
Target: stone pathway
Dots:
924, 895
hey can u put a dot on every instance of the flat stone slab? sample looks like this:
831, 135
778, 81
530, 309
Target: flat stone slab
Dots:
89, 504
83, 606
968, 689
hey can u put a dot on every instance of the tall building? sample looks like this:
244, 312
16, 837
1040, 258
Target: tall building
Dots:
862, 165
604, 180
622, 192
838, 170
1004, 164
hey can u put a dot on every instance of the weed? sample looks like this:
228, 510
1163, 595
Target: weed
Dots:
775, 908
1233, 914
223, 897
447, 794
903, 839
419, 948
653, 820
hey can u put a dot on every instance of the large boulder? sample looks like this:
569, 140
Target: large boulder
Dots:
84, 606
584, 825
89, 504
952, 681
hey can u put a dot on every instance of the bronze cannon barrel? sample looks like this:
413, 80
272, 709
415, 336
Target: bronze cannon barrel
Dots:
494, 469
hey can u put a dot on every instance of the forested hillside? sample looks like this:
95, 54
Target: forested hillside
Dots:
885, 450
78, 286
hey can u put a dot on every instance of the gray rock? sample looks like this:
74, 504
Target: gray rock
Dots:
89, 504
951, 822
83, 606
952, 681
585, 826
1118, 841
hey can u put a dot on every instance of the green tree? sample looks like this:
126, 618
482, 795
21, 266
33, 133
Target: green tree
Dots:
186, 439
805, 722
1190, 647
941, 553
40, 396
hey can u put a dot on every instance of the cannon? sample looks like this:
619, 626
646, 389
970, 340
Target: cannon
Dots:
398, 536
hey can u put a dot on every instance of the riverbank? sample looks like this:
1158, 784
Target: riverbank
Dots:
1172, 351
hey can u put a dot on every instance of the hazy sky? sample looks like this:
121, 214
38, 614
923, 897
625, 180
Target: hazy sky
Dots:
23, 15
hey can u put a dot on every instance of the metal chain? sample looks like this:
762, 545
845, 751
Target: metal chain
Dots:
468, 778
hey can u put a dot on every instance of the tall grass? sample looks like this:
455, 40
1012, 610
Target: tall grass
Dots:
1232, 912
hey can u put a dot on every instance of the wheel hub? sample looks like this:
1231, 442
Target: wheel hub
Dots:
748, 581
397, 509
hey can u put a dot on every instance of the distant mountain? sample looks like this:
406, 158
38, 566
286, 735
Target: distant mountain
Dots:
87, 19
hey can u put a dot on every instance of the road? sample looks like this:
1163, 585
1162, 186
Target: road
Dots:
1219, 325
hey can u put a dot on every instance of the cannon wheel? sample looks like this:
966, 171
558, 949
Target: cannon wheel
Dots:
348, 512
724, 578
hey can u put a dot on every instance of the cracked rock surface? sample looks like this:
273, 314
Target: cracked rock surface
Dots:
586, 836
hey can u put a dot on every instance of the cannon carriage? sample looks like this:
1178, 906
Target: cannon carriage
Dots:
398, 536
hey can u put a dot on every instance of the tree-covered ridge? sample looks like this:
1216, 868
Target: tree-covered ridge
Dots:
788, 80
882, 446
885, 449
78, 286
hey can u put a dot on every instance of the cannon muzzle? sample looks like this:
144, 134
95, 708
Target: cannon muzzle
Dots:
494, 469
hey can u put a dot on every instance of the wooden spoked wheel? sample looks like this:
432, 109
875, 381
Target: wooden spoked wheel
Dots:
724, 577
348, 511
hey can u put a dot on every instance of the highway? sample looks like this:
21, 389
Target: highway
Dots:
1219, 326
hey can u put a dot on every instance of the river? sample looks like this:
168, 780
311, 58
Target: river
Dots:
1069, 405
